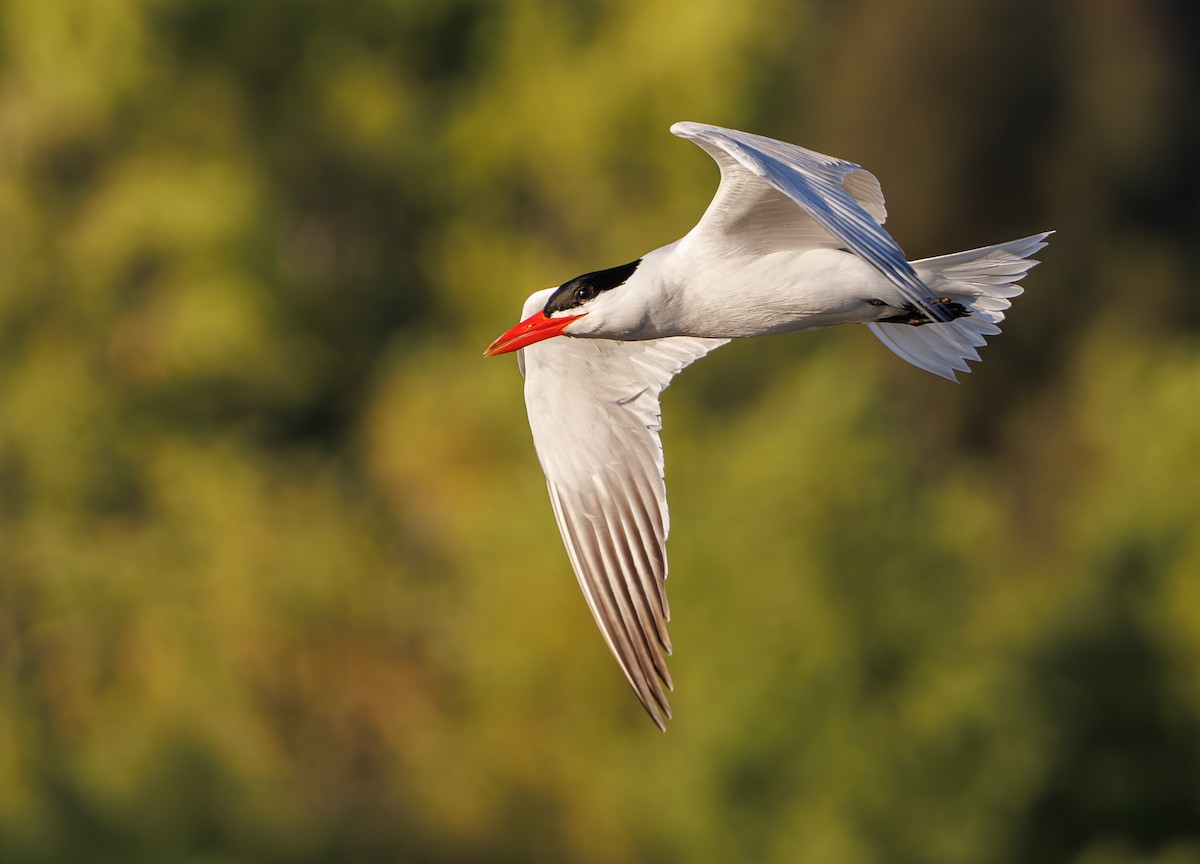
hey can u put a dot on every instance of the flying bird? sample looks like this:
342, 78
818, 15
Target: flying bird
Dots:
793, 240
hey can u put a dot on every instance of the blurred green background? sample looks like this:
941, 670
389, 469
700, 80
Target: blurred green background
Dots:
279, 581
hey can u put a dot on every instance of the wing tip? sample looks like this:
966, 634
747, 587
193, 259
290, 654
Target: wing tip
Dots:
657, 710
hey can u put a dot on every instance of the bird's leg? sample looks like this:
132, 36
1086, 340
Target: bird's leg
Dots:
916, 318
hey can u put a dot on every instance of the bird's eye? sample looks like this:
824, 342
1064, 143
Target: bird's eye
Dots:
876, 302
584, 293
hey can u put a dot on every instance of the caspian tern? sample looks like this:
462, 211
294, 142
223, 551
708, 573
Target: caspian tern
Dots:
793, 240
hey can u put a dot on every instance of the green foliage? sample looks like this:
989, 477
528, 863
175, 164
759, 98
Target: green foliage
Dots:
278, 579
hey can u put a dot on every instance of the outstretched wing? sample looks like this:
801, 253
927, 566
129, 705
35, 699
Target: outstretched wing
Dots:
841, 203
594, 411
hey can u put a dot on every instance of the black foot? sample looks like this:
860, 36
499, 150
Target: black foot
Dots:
916, 318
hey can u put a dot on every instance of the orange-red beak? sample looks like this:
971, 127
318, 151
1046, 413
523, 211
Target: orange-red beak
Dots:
533, 329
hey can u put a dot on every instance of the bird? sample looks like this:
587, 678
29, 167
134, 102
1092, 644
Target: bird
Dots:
793, 240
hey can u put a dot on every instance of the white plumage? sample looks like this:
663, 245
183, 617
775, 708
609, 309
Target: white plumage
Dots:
793, 240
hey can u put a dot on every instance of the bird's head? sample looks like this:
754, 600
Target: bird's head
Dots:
585, 306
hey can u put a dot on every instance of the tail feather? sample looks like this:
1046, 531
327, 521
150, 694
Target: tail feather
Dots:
982, 280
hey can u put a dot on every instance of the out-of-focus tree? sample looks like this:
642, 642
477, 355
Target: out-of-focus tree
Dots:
278, 581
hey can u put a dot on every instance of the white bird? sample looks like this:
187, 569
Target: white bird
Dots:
793, 240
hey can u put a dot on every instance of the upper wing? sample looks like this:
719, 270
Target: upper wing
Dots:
762, 177
594, 412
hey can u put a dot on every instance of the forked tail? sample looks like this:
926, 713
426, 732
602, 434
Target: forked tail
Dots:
983, 281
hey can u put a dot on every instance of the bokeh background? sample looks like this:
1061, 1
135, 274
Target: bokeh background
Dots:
279, 581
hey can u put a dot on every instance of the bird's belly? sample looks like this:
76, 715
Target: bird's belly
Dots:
779, 292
